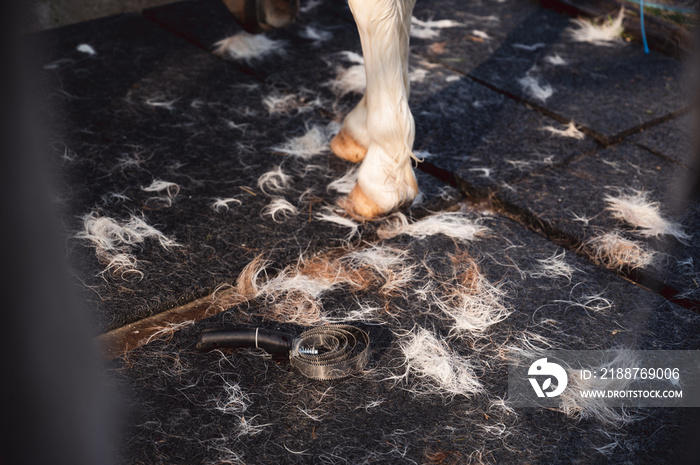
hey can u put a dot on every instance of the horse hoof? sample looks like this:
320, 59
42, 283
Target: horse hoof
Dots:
358, 205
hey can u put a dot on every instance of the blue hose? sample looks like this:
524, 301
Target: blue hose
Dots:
641, 21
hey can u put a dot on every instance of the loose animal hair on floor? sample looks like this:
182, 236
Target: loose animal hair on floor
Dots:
381, 259
292, 295
166, 331
616, 252
529, 48
430, 29
318, 36
329, 215
638, 211
247, 285
233, 400
292, 279
431, 367
570, 131
123, 265
279, 207
345, 183
314, 142
86, 49
274, 180
249, 47
115, 242
576, 406
555, 60
288, 104
606, 34
221, 205
469, 299
554, 267
452, 224
289, 296
388, 264
594, 302
169, 191
533, 89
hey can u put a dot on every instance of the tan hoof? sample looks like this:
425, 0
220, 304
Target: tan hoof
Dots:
344, 146
357, 204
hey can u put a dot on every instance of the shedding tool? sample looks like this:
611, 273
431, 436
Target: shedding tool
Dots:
326, 352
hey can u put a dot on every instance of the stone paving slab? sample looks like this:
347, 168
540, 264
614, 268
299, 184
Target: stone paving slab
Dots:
488, 139
572, 199
672, 139
522, 41
179, 396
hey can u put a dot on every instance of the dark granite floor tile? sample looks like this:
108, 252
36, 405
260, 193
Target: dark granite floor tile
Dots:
672, 139
489, 140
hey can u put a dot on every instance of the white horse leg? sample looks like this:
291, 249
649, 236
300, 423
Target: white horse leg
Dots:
385, 178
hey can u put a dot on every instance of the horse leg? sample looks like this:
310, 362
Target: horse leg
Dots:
385, 179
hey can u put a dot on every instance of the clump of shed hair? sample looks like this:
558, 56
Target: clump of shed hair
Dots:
571, 131
638, 211
430, 29
576, 406
274, 180
606, 34
115, 242
388, 264
86, 49
327, 214
452, 224
280, 207
314, 142
434, 367
616, 252
555, 60
554, 267
247, 285
318, 36
380, 258
532, 88
292, 296
221, 205
469, 299
287, 104
124, 265
529, 48
167, 190
249, 47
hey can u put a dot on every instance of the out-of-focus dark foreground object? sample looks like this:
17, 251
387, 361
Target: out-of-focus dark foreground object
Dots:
263, 15
54, 404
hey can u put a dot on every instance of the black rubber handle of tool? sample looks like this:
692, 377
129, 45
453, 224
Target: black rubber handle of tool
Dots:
272, 342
